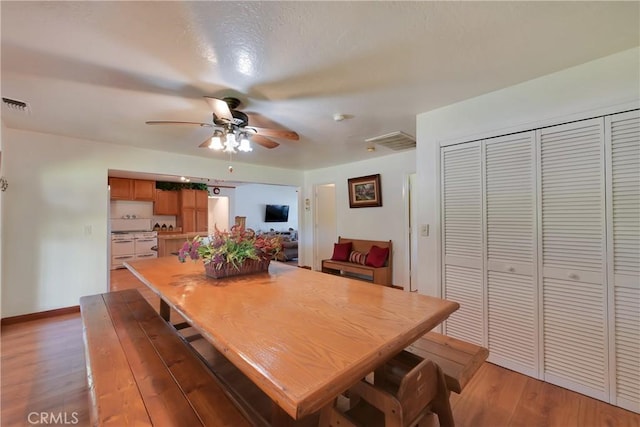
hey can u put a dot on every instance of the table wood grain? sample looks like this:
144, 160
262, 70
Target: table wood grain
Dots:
302, 336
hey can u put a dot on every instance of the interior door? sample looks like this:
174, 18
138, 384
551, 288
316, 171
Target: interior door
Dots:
512, 287
623, 212
326, 226
462, 240
573, 256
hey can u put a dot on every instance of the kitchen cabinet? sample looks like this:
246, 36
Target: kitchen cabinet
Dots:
144, 190
120, 188
202, 199
132, 189
194, 212
187, 199
170, 245
166, 203
187, 220
202, 220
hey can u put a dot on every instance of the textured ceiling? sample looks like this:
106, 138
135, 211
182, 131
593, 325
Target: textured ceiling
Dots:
99, 70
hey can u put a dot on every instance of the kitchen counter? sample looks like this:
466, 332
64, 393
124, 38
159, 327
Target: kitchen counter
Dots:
180, 235
170, 244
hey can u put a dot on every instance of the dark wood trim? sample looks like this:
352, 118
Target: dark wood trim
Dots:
165, 310
40, 315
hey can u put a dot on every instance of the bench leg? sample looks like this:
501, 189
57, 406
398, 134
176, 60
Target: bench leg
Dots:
165, 311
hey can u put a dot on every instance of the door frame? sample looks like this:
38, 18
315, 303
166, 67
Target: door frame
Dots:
316, 262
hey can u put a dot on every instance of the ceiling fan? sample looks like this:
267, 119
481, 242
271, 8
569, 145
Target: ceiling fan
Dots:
232, 131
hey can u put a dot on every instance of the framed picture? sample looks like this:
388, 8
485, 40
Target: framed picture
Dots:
364, 192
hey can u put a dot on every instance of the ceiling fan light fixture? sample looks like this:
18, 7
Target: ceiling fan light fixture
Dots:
245, 145
216, 142
230, 144
231, 128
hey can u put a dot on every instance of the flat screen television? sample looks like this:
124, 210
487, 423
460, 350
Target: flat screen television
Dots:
276, 213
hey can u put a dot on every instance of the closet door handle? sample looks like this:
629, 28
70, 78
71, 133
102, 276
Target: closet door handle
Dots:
573, 276
511, 269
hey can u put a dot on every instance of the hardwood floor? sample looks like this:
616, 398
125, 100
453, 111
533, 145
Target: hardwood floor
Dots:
43, 372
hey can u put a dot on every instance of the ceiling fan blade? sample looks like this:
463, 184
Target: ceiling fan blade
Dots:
172, 122
219, 108
278, 133
206, 143
264, 141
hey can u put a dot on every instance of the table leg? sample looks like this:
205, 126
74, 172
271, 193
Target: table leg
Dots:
165, 311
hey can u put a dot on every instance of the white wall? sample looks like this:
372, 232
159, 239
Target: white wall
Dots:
251, 200
230, 194
218, 215
55, 213
378, 223
603, 86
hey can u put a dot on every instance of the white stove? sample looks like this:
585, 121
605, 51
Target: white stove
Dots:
132, 239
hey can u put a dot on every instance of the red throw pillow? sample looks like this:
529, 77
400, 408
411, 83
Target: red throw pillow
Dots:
341, 251
377, 256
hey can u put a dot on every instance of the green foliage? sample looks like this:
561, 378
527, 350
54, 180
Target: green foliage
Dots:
177, 186
231, 247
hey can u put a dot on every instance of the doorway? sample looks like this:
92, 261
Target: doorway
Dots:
326, 228
218, 213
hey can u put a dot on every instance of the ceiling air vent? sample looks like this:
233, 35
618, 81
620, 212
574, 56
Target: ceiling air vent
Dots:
15, 105
396, 141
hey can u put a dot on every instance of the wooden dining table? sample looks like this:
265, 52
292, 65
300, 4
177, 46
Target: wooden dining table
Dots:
303, 337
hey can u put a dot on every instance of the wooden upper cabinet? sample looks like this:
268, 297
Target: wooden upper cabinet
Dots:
132, 189
187, 199
202, 211
202, 199
120, 188
193, 210
144, 190
166, 203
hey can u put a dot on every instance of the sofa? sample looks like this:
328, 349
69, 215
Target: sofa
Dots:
289, 244
289, 250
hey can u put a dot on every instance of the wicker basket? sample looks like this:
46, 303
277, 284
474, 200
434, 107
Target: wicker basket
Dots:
249, 266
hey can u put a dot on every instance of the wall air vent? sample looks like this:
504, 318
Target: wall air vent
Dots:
15, 105
396, 141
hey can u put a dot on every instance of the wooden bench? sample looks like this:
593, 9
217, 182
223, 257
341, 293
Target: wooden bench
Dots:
459, 360
141, 372
379, 275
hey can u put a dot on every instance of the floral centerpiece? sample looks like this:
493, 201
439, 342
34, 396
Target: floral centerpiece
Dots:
230, 253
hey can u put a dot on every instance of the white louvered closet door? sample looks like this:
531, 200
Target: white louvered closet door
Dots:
462, 240
572, 256
623, 211
512, 288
